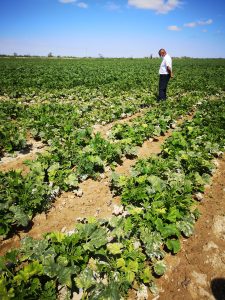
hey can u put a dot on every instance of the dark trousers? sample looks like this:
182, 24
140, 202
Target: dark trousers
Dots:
163, 82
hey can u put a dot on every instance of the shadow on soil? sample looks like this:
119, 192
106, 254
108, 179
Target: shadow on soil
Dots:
218, 288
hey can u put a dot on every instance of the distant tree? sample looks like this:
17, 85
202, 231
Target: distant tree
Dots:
50, 54
15, 54
100, 55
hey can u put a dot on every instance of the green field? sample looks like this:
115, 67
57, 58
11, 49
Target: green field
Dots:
57, 102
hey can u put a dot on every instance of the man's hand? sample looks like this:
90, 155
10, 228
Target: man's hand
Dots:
169, 71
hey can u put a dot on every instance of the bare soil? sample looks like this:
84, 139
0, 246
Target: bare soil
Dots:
16, 161
96, 199
198, 270
104, 129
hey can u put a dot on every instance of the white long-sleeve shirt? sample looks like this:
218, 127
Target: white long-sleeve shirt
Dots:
166, 62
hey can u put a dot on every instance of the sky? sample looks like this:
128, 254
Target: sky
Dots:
125, 28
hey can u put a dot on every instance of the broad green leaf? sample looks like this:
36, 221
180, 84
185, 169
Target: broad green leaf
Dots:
173, 214
64, 276
71, 180
133, 266
56, 236
186, 226
159, 268
173, 245
135, 210
146, 275
52, 170
115, 248
85, 279
120, 263
51, 268
19, 215
34, 268
115, 221
6, 294
62, 260
157, 183
152, 242
112, 291
130, 276
96, 240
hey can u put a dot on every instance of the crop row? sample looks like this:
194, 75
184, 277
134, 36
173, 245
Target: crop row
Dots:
43, 120
102, 259
109, 77
80, 93
74, 156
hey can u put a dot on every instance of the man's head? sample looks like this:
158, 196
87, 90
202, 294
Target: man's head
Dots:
162, 52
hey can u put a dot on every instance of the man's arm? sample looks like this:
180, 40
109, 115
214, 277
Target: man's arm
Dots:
169, 71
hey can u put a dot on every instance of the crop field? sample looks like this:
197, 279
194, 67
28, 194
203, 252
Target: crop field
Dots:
98, 181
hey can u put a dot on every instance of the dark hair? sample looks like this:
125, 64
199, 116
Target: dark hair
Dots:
161, 50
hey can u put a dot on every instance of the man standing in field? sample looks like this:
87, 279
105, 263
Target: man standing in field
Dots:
165, 73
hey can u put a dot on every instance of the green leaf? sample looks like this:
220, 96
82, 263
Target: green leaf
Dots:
115, 248
96, 240
36, 249
156, 182
135, 210
56, 236
120, 263
51, 268
52, 171
173, 214
49, 291
115, 221
20, 217
112, 291
153, 243
159, 268
173, 245
6, 294
167, 229
85, 279
133, 266
71, 180
130, 276
34, 268
64, 276
62, 260
146, 275
186, 226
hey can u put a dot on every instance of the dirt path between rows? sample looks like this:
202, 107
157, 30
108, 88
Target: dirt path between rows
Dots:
104, 129
95, 199
15, 161
197, 272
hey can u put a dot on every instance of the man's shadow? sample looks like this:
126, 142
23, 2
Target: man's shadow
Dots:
218, 288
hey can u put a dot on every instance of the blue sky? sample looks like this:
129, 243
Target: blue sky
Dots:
125, 28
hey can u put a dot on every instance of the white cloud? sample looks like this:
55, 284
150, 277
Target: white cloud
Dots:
112, 6
208, 22
191, 25
78, 4
160, 6
198, 23
82, 5
67, 1
174, 28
